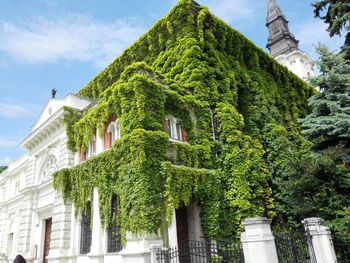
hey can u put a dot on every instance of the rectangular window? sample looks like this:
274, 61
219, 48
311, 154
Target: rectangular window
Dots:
168, 127
114, 243
178, 132
86, 231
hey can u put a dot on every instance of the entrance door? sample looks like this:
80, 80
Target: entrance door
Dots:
48, 224
182, 235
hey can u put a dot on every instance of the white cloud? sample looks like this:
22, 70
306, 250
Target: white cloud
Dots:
5, 161
8, 143
70, 37
313, 31
233, 11
16, 110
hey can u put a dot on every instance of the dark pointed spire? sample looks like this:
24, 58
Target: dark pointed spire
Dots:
274, 12
281, 40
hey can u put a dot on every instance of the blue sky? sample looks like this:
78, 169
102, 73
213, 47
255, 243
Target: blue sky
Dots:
62, 44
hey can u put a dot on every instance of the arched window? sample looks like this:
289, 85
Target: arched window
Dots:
173, 128
91, 147
112, 133
49, 166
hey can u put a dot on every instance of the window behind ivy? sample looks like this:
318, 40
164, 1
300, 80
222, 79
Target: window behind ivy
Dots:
114, 243
86, 232
173, 128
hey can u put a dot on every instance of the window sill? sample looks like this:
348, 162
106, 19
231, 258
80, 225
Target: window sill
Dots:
178, 141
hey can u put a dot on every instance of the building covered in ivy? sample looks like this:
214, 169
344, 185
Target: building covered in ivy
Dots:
172, 141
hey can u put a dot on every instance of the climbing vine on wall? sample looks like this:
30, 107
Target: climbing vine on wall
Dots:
193, 66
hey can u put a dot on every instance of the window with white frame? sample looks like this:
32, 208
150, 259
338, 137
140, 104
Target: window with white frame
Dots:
173, 128
91, 148
117, 130
114, 131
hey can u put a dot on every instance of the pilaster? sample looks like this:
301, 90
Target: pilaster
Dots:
60, 232
30, 174
25, 225
97, 250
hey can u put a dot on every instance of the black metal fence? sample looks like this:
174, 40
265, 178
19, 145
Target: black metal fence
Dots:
202, 252
294, 247
342, 250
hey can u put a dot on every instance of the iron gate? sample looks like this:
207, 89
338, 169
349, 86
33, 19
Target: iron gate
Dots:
202, 252
294, 247
342, 250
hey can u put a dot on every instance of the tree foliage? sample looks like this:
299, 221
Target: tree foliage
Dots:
321, 183
329, 121
335, 13
315, 182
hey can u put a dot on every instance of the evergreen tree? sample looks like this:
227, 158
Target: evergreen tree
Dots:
2, 168
318, 186
337, 16
316, 183
329, 121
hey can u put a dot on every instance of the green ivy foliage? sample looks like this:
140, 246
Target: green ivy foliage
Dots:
194, 66
71, 116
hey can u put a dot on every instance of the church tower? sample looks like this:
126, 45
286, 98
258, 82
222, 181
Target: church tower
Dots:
283, 45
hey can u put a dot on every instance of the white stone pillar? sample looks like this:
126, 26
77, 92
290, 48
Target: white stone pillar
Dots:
74, 236
258, 241
172, 233
321, 240
60, 231
97, 252
154, 248
140, 249
25, 226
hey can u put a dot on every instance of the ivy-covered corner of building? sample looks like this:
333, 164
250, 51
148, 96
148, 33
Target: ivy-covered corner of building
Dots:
191, 65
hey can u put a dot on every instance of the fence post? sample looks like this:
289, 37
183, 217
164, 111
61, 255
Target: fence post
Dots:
154, 249
258, 241
321, 240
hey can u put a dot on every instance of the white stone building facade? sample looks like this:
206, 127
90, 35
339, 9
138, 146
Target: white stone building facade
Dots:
35, 221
